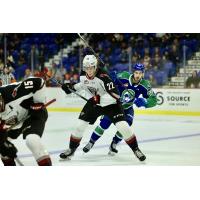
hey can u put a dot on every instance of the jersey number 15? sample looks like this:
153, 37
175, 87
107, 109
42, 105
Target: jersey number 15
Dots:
28, 84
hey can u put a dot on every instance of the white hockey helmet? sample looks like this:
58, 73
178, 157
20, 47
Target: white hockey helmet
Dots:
89, 61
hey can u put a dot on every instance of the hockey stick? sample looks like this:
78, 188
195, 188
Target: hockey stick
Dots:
54, 80
19, 162
86, 43
58, 83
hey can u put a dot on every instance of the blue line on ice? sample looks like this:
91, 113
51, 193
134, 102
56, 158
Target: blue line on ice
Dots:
141, 141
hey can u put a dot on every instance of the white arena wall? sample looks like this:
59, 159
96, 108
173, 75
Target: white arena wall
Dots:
170, 102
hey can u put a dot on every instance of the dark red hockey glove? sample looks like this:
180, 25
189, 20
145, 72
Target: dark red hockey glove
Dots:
95, 99
3, 126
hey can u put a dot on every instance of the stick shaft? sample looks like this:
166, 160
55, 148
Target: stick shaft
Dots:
86, 43
57, 82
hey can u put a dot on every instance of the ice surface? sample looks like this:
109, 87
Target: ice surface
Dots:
165, 140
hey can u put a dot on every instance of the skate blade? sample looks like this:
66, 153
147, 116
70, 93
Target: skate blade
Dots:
65, 159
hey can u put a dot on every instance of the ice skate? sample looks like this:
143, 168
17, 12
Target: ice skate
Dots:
139, 154
112, 149
66, 155
87, 147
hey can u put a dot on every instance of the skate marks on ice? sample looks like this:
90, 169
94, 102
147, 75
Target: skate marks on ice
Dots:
165, 140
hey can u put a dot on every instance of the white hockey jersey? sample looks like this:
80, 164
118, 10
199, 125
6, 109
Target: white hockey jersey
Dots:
101, 85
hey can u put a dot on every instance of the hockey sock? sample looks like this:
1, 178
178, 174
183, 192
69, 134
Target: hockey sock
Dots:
98, 132
132, 142
35, 145
44, 161
8, 161
117, 138
74, 142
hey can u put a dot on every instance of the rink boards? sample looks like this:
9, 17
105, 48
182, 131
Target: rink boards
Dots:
170, 102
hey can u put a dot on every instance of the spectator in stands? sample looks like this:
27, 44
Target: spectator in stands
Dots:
146, 52
1, 54
56, 71
153, 81
6, 77
193, 81
75, 78
73, 70
58, 75
124, 56
41, 56
10, 61
156, 51
59, 40
67, 78
1, 64
157, 62
135, 58
33, 57
22, 57
27, 73
174, 55
147, 62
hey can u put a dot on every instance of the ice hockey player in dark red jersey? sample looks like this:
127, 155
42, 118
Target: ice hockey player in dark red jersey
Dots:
104, 99
22, 111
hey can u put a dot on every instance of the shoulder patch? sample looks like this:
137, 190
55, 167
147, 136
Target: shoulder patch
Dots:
124, 75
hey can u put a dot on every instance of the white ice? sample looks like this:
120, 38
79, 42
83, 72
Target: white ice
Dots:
165, 140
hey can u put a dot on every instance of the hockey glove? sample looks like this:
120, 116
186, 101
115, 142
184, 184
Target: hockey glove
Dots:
95, 100
3, 126
7, 149
67, 87
140, 102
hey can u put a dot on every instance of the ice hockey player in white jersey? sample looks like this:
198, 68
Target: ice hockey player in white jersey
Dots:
22, 111
104, 99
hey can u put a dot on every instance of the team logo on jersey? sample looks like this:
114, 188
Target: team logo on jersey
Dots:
86, 82
127, 96
92, 90
14, 93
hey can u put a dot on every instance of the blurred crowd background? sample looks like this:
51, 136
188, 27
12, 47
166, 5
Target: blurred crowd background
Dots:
171, 60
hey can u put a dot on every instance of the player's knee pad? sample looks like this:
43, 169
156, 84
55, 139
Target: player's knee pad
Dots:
124, 129
35, 145
81, 126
